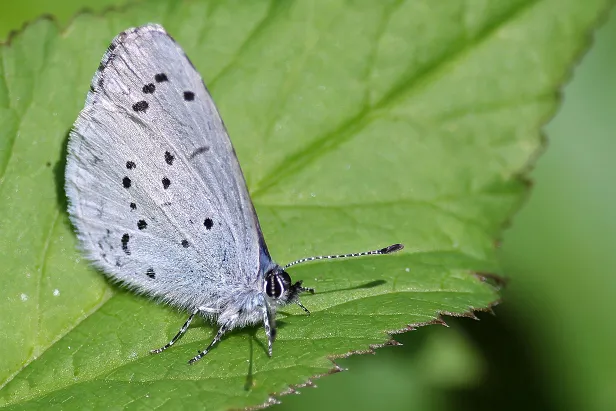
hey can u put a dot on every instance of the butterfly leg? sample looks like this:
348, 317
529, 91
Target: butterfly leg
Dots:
270, 329
182, 330
223, 329
307, 289
178, 335
303, 308
301, 289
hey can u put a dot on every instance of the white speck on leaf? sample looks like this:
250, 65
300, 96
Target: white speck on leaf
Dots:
24, 297
56, 292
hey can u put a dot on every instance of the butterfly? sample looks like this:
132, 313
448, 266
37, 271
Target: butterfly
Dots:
157, 196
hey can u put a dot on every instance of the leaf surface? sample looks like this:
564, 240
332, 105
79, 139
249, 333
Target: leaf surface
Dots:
357, 124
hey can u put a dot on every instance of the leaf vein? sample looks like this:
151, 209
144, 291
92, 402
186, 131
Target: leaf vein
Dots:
297, 161
266, 21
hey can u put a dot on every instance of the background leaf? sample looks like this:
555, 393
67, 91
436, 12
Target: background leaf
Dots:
311, 103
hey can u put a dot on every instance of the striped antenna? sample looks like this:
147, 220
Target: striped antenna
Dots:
387, 250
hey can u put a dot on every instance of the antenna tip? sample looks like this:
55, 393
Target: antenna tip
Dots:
391, 249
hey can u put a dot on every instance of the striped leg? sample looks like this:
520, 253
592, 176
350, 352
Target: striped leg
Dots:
217, 338
303, 308
178, 335
270, 330
303, 290
184, 328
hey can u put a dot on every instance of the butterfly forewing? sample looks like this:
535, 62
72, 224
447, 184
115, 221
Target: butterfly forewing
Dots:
156, 192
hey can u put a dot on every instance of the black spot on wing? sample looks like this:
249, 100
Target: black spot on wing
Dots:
169, 158
198, 151
125, 239
141, 106
166, 182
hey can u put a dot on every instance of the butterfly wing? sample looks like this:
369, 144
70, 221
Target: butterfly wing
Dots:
156, 193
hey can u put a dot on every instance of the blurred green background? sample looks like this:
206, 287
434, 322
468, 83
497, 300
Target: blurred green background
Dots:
550, 345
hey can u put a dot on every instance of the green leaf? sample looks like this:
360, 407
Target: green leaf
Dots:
357, 124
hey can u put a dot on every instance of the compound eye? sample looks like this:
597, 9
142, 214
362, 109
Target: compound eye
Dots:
273, 287
277, 284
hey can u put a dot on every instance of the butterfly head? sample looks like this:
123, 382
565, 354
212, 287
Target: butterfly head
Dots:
279, 287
